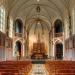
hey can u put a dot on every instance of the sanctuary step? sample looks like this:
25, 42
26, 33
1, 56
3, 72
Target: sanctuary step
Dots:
38, 61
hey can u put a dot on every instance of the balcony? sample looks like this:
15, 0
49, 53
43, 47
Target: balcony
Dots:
59, 34
18, 34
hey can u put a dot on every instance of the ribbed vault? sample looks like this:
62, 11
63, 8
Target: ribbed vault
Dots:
49, 9
38, 25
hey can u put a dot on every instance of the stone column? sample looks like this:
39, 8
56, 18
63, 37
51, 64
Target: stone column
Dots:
27, 45
49, 45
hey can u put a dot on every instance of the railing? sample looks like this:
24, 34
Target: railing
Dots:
18, 34
59, 34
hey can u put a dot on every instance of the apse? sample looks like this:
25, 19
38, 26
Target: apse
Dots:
38, 29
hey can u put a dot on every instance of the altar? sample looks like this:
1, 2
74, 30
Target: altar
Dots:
38, 51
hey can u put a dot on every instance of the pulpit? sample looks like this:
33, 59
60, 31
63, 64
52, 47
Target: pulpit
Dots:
38, 51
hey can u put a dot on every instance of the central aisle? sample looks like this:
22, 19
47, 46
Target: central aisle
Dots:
38, 69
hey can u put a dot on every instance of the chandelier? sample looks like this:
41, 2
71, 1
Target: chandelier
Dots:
38, 9
38, 0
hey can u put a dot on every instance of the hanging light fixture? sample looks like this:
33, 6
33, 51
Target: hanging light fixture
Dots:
38, 0
38, 9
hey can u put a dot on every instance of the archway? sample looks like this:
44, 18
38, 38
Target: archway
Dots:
18, 51
18, 26
58, 28
59, 51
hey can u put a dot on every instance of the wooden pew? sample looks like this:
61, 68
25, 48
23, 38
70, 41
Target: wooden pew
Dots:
60, 67
15, 67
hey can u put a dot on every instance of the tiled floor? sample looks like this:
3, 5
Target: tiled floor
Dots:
38, 69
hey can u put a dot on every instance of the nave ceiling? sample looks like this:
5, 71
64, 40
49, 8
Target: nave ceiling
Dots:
46, 10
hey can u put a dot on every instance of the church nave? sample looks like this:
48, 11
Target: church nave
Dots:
38, 69
37, 37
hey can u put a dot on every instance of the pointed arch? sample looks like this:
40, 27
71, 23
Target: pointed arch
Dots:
18, 27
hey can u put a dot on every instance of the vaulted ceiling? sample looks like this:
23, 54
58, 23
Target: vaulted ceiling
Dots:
43, 9
48, 8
